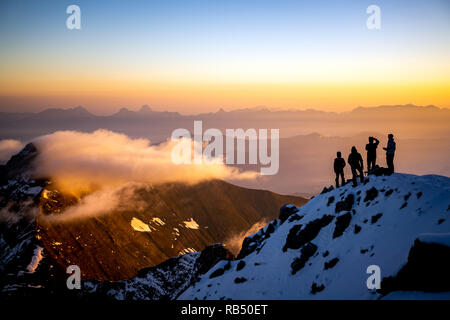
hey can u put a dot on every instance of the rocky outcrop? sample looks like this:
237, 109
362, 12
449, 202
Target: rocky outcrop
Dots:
346, 204
306, 252
19, 164
371, 194
299, 235
286, 211
255, 241
342, 222
427, 270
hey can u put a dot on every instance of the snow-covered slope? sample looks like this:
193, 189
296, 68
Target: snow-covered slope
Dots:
323, 249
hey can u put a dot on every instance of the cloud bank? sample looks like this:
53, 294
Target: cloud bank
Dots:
80, 163
99, 167
8, 148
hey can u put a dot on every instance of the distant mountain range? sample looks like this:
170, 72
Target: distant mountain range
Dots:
406, 120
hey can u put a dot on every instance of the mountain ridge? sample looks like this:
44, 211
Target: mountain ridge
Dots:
147, 110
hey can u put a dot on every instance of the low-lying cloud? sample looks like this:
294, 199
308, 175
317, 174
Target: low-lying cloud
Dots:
103, 201
8, 148
97, 167
80, 163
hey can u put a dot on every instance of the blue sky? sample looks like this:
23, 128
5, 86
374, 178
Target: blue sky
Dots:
245, 41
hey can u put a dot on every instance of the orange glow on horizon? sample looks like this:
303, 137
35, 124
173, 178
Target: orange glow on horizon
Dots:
106, 96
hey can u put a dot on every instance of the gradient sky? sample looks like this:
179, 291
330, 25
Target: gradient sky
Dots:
196, 56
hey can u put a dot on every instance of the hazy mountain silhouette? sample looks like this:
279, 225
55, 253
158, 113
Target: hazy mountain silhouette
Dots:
408, 121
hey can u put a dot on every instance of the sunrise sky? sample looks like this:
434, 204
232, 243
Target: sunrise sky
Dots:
198, 56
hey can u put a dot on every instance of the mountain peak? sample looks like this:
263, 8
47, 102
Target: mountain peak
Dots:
145, 109
76, 111
123, 112
80, 109
405, 107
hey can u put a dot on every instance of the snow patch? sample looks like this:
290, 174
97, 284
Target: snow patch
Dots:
140, 226
187, 250
158, 221
33, 191
191, 224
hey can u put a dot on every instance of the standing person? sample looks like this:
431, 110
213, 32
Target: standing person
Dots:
390, 152
339, 164
371, 148
356, 163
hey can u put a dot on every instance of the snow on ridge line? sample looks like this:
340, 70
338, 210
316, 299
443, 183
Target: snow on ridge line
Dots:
437, 238
386, 216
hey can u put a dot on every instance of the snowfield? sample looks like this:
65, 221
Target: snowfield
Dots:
323, 249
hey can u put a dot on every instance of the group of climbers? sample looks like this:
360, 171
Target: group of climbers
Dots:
356, 162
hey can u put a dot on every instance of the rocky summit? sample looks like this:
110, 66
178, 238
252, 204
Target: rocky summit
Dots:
398, 225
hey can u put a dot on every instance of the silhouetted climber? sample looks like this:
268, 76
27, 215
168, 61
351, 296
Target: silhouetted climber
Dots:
339, 164
371, 148
390, 152
356, 163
